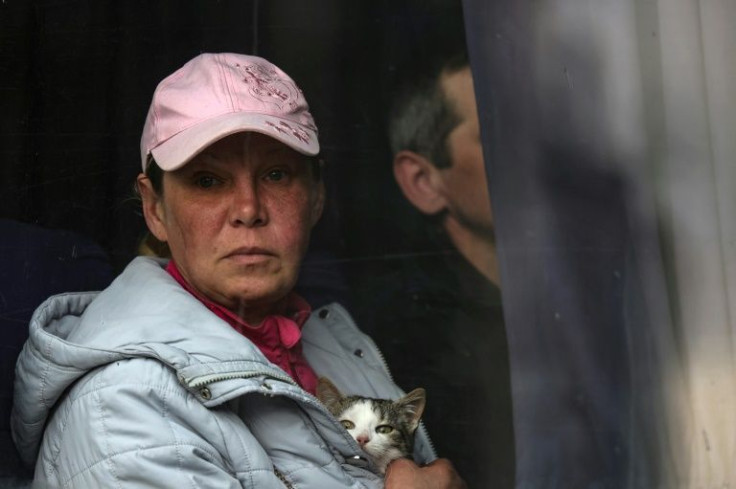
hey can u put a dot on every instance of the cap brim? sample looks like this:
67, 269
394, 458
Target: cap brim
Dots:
176, 151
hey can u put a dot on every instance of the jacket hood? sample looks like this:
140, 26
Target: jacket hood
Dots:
72, 334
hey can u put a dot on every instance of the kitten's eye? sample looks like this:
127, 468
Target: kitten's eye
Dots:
384, 429
347, 424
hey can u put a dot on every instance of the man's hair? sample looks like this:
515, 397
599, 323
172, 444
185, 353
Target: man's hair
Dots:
421, 116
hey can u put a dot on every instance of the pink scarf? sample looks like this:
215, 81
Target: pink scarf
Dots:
278, 337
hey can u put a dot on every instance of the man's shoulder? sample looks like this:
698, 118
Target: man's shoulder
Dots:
419, 284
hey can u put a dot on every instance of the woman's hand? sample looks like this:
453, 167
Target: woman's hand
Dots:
440, 474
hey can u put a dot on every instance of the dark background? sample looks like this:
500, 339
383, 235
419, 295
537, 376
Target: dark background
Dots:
77, 77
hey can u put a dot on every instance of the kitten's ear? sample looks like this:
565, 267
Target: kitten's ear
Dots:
413, 406
327, 392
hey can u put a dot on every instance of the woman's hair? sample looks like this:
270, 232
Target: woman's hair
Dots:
155, 174
150, 245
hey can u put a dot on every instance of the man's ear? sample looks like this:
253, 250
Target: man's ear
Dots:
319, 202
420, 182
153, 209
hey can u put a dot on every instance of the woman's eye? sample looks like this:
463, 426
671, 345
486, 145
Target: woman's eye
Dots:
276, 175
348, 425
384, 429
206, 181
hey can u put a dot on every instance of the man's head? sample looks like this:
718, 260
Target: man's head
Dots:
230, 179
438, 158
422, 115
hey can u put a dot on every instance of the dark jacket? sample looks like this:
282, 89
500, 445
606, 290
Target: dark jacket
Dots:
439, 323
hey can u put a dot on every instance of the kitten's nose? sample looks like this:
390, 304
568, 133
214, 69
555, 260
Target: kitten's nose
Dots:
362, 439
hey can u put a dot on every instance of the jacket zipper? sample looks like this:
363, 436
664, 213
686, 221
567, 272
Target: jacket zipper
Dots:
202, 380
282, 478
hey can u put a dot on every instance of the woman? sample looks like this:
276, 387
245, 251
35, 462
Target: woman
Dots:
200, 372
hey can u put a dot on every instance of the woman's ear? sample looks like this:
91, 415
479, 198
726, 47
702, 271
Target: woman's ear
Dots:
319, 202
420, 182
153, 209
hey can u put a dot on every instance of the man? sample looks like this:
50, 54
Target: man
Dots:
437, 316
438, 161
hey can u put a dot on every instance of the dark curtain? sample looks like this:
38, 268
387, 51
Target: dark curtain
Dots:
575, 239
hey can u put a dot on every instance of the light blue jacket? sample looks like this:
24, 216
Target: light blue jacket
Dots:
142, 386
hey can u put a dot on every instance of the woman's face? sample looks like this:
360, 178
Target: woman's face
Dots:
237, 219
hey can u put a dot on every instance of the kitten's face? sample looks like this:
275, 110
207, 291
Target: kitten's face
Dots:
383, 428
377, 427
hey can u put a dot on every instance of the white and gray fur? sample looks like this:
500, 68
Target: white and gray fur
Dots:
383, 428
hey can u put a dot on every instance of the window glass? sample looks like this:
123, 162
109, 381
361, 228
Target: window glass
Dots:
529, 207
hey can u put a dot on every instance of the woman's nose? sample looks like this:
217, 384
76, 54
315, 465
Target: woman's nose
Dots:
247, 208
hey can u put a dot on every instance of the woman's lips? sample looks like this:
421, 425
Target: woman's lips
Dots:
250, 256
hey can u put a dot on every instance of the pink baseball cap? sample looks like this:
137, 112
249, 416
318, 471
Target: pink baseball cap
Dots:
215, 95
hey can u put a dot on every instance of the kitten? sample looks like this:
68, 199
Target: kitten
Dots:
383, 428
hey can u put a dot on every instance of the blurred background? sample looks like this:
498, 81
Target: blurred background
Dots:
611, 154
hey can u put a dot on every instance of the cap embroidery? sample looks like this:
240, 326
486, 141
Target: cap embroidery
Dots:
295, 131
276, 127
267, 86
